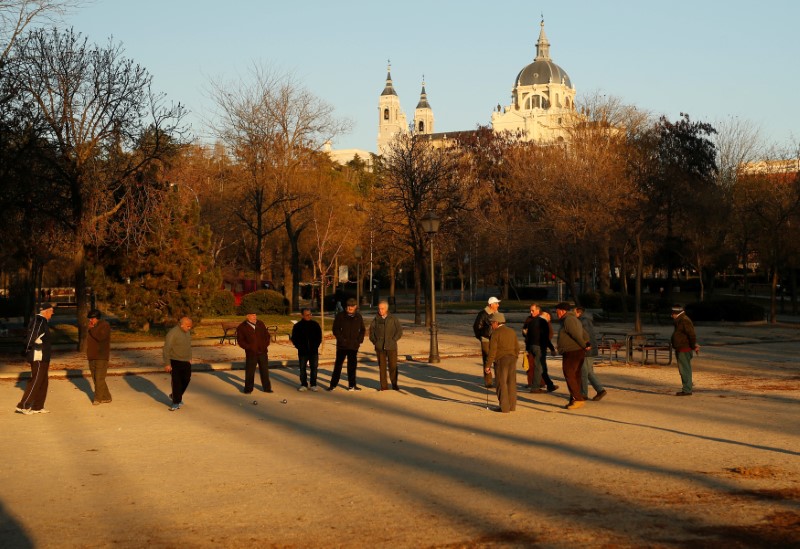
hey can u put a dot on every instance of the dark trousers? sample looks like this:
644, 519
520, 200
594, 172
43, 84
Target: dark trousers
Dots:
99, 368
36, 389
341, 354
572, 362
311, 362
487, 378
387, 358
251, 360
181, 376
505, 372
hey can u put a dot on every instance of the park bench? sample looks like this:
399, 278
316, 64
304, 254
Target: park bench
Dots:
608, 349
229, 332
656, 347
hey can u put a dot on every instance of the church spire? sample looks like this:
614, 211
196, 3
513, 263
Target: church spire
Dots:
423, 97
389, 89
542, 45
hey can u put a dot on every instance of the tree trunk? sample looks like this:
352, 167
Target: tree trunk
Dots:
637, 323
81, 297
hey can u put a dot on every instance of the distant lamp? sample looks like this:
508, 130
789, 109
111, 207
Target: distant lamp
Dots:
430, 224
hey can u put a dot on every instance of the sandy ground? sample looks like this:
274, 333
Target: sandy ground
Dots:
430, 466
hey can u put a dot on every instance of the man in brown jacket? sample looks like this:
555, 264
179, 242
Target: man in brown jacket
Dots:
684, 341
573, 342
252, 336
98, 346
503, 353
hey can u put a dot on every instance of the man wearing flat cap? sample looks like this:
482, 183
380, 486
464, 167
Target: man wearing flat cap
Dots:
503, 353
98, 347
482, 328
573, 342
684, 341
37, 353
252, 336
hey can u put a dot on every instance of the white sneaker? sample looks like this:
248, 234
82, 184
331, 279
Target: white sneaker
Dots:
25, 411
302, 388
42, 411
314, 388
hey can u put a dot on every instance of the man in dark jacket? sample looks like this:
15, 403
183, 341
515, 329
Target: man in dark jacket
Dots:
97, 352
384, 333
482, 328
306, 338
37, 353
252, 336
349, 330
684, 341
573, 342
587, 370
537, 341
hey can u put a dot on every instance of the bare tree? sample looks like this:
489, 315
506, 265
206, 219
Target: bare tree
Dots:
17, 15
275, 129
97, 110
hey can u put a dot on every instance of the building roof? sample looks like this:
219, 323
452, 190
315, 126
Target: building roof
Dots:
542, 70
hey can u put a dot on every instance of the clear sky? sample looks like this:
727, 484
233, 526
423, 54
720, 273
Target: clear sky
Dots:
708, 58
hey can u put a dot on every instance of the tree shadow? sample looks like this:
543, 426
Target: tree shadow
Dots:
12, 533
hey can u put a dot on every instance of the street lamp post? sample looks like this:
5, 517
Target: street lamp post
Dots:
357, 253
430, 224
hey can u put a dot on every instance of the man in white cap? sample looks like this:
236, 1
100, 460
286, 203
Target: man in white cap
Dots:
684, 341
37, 353
482, 327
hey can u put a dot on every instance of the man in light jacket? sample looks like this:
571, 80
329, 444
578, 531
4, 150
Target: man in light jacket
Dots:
384, 332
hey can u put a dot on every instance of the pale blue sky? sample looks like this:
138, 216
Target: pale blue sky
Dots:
710, 59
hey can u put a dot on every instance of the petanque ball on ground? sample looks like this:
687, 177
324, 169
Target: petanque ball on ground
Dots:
284, 401
255, 403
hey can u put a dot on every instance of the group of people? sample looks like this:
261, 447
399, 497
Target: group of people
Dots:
576, 342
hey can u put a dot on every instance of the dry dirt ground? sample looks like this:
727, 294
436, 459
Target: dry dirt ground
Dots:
426, 467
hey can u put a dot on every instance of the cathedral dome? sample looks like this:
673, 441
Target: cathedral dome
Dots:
542, 71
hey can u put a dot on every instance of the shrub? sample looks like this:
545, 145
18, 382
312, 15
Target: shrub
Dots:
731, 310
263, 302
612, 303
590, 300
222, 303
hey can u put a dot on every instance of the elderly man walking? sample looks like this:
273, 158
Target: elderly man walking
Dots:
573, 342
384, 332
178, 360
503, 353
37, 353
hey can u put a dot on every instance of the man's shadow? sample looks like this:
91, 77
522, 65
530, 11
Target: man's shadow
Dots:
144, 385
236, 381
82, 383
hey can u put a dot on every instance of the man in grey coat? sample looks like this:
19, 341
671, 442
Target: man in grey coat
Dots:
384, 332
178, 360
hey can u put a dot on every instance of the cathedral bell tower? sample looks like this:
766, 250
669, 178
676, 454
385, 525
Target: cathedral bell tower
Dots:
391, 119
423, 114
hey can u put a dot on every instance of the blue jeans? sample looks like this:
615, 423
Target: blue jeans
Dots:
685, 369
587, 377
312, 362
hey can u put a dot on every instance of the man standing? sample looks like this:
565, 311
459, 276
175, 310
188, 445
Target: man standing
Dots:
587, 369
253, 337
178, 360
306, 338
684, 341
98, 346
503, 353
384, 332
349, 330
573, 342
482, 327
37, 353
537, 342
